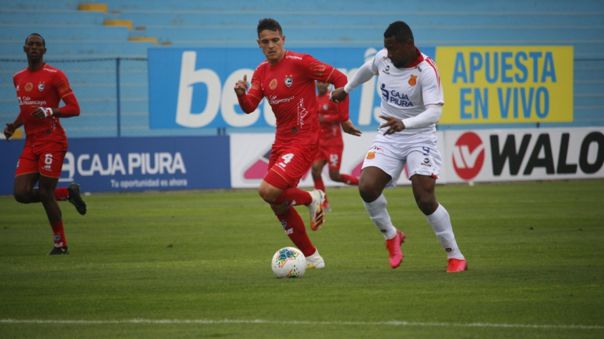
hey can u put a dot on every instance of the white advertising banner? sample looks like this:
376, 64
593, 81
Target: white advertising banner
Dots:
484, 155
524, 154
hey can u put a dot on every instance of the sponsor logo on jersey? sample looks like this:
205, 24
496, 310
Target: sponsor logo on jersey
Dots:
468, 155
395, 97
28, 87
289, 80
41, 86
273, 84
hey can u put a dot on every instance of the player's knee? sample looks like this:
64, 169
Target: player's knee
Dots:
21, 196
427, 204
368, 192
46, 195
267, 194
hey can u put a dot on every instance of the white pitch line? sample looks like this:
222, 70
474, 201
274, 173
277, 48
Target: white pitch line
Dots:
401, 323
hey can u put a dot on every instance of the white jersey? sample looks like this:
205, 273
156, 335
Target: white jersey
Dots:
405, 92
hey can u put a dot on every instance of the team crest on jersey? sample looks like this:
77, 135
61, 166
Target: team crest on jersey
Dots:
41, 86
289, 80
273, 84
370, 155
28, 87
325, 107
412, 80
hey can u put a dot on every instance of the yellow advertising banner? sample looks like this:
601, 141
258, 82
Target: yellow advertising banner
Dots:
506, 84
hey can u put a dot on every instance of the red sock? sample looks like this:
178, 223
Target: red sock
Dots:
319, 184
296, 196
350, 180
61, 193
295, 230
58, 234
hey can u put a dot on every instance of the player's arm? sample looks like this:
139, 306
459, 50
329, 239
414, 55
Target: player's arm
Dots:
71, 107
363, 74
11, 127
343, 107
248, 101
426, 118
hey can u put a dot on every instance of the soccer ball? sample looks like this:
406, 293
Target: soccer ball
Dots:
289, 262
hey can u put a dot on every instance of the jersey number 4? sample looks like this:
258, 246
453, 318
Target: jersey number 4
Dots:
285, 159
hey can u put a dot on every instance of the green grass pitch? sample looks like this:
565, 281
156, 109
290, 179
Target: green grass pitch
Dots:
197, 264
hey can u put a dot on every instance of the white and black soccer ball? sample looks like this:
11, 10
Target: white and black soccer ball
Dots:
289, 262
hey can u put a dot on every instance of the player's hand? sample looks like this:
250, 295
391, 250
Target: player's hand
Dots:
9, 130
394, 125
241, 86
43, 112
338, 95
349, 128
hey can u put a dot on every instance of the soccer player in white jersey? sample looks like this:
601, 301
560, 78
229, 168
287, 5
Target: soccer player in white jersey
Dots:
412, 101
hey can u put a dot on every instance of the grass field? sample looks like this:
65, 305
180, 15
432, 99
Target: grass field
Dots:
197, 264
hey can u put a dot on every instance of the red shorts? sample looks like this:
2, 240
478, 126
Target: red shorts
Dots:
42, 156
291, 163
332, 153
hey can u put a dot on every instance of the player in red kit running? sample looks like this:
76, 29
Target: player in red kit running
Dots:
287, 80
40, 89
331, 144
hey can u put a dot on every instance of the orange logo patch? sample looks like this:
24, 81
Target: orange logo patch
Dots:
370, 155
273, 84
412, 80
29, 86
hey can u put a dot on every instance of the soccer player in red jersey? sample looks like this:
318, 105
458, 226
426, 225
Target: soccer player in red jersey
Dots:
287, 80
331, 144
40, 88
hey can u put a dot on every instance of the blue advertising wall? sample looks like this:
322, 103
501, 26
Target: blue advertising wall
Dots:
193, 88
135, 164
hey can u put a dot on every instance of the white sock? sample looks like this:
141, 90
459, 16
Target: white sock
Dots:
380, 217
441, 224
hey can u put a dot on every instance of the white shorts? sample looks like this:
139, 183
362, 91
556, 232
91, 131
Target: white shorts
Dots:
391, 154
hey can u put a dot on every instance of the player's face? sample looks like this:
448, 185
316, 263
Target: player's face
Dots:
400, 53
271, 43
34, 48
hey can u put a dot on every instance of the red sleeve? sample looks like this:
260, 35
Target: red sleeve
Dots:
249, 101
343, 108
323, 72
71, 108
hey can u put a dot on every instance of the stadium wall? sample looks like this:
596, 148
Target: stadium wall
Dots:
239, 161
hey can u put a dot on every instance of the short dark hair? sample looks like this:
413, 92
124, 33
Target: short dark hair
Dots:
38, 35
270, 24
400, 31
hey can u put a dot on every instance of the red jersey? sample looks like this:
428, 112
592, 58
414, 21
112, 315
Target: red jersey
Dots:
44, 87
289, 87
332, 114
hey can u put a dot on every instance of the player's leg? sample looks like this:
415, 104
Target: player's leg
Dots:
24, 191
423, 181
285, 170
27, 175
335, 163
316, 171
290, 219
382, 167
317, 168
47, 187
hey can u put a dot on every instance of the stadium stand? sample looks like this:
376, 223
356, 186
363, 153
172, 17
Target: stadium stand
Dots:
91, 44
